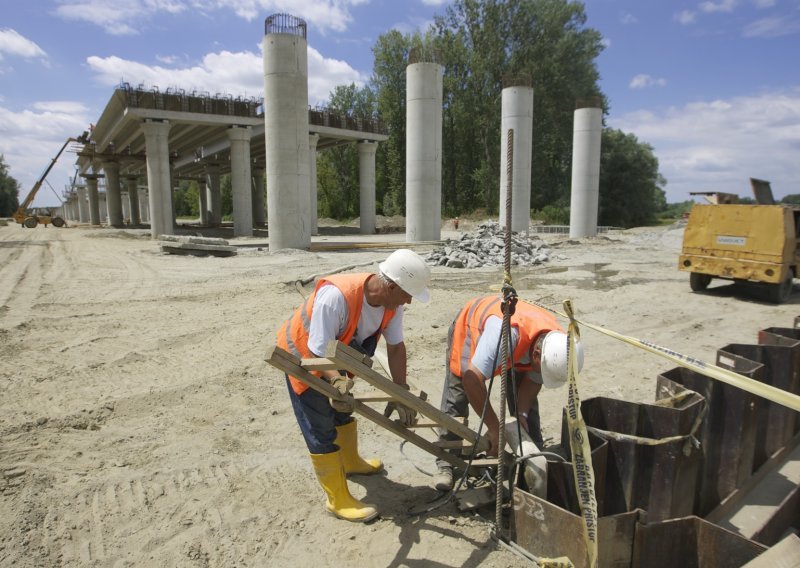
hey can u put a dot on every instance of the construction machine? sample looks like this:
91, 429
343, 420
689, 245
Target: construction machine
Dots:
743, 242
30, 218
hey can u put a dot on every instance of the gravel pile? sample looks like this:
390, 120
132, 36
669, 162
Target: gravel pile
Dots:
484, 246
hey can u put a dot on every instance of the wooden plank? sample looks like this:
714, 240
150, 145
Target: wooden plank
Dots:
349, 359
319, 364
290, 364
376, 395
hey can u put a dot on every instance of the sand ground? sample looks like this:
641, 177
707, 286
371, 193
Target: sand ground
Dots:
140, 426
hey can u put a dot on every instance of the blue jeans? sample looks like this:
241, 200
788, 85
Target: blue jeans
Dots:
317, 419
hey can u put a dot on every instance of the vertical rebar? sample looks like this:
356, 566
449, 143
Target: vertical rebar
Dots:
505, 341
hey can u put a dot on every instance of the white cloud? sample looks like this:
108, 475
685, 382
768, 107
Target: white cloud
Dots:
720, 6
435, 2
238, 74
765, 3
643, 81
30, 138
718, 145
772, 27
124, 17
685, 17
628, 18
12, 43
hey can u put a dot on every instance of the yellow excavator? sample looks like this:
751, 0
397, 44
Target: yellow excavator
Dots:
28, 218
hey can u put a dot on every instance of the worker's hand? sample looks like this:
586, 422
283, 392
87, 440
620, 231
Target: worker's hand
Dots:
343, 385
406, 415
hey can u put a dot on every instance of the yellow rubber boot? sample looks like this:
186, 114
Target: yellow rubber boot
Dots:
347, 440
330, 472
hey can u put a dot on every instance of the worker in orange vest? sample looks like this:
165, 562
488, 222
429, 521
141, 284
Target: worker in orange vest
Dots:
356, 309
538, 355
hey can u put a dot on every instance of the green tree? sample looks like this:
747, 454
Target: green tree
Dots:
226, 197
488, 43
9, 190
337, 167
631, 191
793, 199
186, 199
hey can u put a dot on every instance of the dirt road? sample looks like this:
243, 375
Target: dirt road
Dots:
139, 424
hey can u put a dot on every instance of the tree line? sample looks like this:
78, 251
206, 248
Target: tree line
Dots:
482, 46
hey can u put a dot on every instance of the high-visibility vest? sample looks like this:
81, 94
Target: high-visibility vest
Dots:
529, 321
293, 333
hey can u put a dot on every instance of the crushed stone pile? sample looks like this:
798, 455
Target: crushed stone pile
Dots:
484, 246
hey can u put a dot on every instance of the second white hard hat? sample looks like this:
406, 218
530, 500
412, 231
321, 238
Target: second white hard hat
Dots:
408, 270
554, 359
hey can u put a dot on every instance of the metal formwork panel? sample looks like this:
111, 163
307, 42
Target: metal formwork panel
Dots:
691, 542
788, 337
774, 422
727, 435
548, 531
561, 483
660, 478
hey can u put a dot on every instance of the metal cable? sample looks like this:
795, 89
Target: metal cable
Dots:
506, 336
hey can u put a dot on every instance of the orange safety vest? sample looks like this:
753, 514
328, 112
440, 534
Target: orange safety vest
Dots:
293, 333
529, 321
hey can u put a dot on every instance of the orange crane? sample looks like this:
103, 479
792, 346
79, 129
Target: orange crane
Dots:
30, 219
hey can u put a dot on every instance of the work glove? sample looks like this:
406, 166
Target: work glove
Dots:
343, 385
406, 415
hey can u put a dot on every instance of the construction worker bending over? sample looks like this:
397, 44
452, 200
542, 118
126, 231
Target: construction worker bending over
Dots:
355, 309
539, 353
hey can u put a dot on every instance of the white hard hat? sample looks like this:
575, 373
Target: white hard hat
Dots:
408, 270
554, 359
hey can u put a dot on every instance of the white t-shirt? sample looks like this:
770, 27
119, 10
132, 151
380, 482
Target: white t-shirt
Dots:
487, 353
329, 317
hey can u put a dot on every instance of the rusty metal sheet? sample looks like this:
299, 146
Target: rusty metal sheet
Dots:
548, 531
690, 542
660, 479
788, 337
728, 433
774, 422
561, 484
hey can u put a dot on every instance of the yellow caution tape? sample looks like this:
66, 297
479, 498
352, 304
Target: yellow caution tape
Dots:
579, 445
773, 394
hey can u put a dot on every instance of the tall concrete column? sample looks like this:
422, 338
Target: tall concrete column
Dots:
94, 200
102, 207
158, 176
313, 139
113, 193
214, 196
423, 151
516, 114
83, 203
366, 184
259, 212
240, 181
126, 207
586, 141
144, 204
202, 194
286, 132
132, 184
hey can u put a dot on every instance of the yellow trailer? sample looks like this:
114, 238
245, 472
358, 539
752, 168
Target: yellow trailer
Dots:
754, 243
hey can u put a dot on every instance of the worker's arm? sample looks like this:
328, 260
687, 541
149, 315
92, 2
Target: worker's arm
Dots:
397, 362
475, 387
527, 392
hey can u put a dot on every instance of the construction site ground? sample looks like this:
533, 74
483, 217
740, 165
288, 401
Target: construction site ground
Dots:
140, 426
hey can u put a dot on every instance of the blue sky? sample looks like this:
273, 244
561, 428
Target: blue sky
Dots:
712, 85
